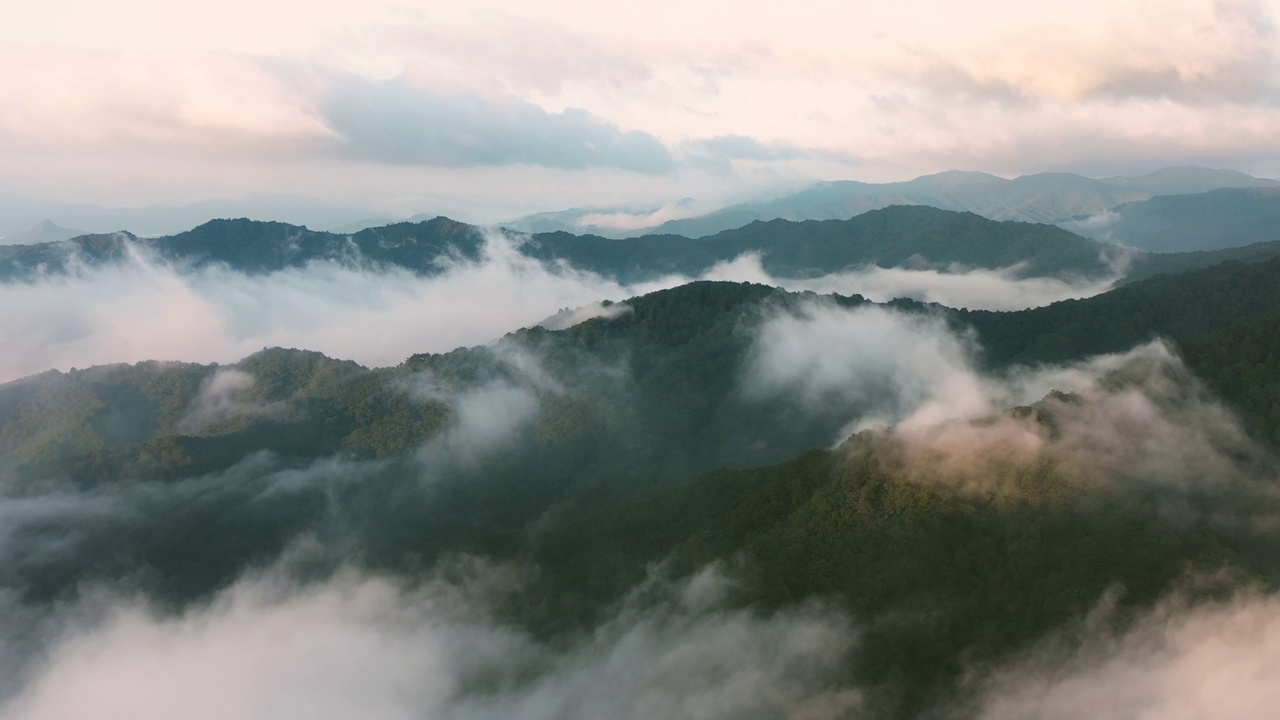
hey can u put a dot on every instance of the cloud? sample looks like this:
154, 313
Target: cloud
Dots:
639, 219
956, 287
357, 646
568, 317
219, 398
144, 309
1180, 661
1130, 421
997, 85
878, 365
488, 414
1125, 420
394, 122
721, 152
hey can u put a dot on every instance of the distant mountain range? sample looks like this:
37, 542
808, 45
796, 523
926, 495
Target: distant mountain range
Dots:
903, 236
900, 236
45, 232
1043, 197
1217, 219
19, 216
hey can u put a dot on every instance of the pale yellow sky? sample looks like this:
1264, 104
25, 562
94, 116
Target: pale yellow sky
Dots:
507, 105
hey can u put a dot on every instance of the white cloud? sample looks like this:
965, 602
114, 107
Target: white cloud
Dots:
1178, 663
364, 647
1134, 417
146, 310
957, 287
220, 397
904, 88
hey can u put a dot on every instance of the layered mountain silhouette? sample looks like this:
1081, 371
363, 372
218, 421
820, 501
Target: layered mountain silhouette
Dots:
1043, 197
646, 462
1224, 218
900, 236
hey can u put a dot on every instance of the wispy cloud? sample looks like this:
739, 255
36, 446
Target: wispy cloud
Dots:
366, 647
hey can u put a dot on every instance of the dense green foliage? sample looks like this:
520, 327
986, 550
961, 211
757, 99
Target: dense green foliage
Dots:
1242, 364
1147, 265
941, 579
1179, 307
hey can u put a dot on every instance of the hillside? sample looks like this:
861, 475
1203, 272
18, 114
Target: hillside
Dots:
641, 449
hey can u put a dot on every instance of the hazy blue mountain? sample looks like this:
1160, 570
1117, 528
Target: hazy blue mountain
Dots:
1222, 218
17, 214
1042, 197
45, 232
1148, 264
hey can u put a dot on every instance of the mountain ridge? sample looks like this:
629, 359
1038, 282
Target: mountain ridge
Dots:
1038, 197
888, 237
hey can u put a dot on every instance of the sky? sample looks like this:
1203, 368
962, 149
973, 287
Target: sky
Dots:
491, 109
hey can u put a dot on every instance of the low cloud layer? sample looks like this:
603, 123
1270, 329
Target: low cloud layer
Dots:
1179, 662
957, 287
363, 647
219, 399
147, 310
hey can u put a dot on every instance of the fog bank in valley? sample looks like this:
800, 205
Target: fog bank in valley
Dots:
144, 309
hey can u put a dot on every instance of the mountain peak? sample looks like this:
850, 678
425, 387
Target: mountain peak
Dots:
44, 232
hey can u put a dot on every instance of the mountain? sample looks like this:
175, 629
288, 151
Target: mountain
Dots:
613, 470
19, 213
940, 580
45, 232
1043, 197
1223, 218
1144, 265
649, 392
891, 237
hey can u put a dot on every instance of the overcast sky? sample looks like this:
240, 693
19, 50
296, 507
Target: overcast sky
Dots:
486, 110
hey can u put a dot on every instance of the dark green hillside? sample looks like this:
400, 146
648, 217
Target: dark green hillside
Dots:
625, 409
649, 395
1148, 265
1242, 364
647, 400
642, 450
939, 580
907, 235
1179, 307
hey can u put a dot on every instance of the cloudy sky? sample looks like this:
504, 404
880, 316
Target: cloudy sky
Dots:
489, 109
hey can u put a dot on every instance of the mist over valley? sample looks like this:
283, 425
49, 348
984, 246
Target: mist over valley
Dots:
485, 360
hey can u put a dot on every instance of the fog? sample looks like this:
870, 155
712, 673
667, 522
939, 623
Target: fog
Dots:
291, 606
1136, 417
1181, 661
144, 309
957, 286
362, 646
